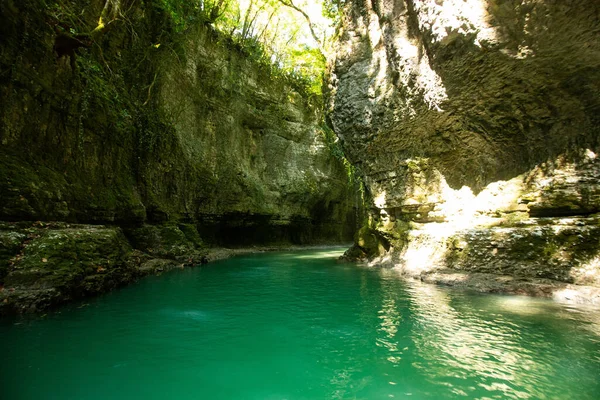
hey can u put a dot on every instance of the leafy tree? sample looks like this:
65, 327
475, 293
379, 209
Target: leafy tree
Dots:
287, 34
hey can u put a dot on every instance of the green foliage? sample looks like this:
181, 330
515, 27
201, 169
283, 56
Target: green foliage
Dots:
185, 13
307, 63
335, 148
271, 33
332, 9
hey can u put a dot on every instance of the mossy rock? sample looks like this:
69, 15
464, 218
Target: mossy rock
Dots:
191, 234
10, 244
371, 242
64, 258
566, 252
171, 241
354, 253
52, 266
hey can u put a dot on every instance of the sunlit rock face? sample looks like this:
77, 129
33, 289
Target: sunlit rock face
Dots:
474, 122
541, 224
485, 89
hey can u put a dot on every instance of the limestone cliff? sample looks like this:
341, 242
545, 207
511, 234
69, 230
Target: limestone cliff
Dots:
475, 125
170, 140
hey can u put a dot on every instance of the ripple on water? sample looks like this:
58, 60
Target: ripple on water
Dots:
298, 325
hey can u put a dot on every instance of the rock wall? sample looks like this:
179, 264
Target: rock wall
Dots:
150, 125
475, 125
266, 164
485, 89
167, 140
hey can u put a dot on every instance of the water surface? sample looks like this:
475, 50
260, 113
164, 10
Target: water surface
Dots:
299, 325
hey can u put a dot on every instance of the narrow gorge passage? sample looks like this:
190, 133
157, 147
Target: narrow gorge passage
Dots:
449, 149
300, 325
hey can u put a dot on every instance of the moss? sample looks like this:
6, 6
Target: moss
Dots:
63, 258
416, 165
30, 191
191, 234
513, 218
179, 242
550, 250
10, 244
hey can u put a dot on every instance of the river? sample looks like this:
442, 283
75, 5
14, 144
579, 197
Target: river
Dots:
300, 325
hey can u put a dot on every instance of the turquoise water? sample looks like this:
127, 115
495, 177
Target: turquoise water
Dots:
298, 325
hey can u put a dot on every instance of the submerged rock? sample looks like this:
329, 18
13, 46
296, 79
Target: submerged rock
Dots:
494, 283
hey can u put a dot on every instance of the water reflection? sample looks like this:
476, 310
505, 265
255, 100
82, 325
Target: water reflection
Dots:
320, 254
459, 344
390, 317
586, 317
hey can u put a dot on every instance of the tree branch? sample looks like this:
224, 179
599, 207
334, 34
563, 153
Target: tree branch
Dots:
290, 3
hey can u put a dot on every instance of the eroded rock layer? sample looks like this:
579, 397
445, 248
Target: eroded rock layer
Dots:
475, 125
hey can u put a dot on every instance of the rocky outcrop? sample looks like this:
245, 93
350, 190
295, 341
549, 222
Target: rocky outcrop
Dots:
475, 126
483, 89
47, 264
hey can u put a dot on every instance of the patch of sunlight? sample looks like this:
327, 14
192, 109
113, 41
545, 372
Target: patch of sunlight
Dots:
434, 92
415, 66
379, 200
467, 343
588, 273
419, 254
590, 154
569, 295
458, 205
465, 210
523, 52
408, 48
461, 210
319, 255
456, 17
379, 59
374, 29
415, 72
522, 305
378, 73
318, 144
